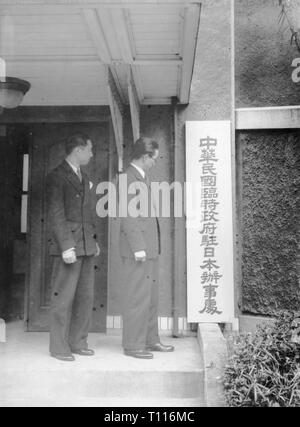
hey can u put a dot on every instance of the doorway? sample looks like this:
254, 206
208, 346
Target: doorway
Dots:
47, 152
14, 145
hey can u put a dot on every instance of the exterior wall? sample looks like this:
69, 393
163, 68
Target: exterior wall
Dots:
211, 83
270, 164
211, 95
263, 56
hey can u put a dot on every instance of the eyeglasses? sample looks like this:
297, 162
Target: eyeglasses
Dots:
152, 158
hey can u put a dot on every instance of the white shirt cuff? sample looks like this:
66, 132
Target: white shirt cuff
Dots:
68, 252
140, 254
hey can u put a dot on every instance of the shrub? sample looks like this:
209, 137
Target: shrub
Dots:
264, 369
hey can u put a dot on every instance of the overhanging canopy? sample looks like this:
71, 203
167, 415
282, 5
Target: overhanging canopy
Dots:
64, 48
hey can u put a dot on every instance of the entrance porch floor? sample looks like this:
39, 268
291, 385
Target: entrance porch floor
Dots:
29, 377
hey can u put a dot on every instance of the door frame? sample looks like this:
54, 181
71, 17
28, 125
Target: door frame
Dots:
64, 114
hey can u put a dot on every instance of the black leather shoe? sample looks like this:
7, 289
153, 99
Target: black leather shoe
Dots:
84, 352
160, 347
64, 358
139, 354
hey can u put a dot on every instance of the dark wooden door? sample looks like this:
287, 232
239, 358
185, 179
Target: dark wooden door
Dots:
47, 152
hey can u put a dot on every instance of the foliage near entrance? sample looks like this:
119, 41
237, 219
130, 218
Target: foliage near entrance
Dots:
264, 369
290, 13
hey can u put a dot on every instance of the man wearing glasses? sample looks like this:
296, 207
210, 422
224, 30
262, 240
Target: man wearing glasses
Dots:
140, 249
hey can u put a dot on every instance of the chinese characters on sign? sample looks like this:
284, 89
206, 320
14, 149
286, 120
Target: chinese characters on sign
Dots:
209, 222
209, 243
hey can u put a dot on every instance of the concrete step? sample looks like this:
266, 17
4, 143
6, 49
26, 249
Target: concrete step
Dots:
96, 383
29, 377
104, 403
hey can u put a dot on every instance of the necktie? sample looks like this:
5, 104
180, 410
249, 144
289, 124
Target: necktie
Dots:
147, 180
79, 174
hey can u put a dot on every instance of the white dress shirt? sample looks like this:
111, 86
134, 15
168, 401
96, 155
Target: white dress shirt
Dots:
75, 169
140, 170
140, 254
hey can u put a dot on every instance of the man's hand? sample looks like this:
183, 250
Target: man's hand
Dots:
140, 256
98, 250
69, 256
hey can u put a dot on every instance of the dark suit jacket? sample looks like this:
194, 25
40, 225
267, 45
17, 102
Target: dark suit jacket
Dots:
71, 214
141, 233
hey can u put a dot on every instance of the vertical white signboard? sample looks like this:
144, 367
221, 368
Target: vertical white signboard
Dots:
210, 276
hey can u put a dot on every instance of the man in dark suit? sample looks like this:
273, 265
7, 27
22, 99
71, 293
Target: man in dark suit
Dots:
140, 249
73, 246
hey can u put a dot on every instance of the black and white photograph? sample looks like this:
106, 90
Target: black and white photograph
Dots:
149, 206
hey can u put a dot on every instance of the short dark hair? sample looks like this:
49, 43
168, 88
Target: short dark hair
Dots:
144, 146
76, 140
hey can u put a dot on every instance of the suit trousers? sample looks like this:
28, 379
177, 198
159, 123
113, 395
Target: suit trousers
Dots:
72, 304
140, 303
